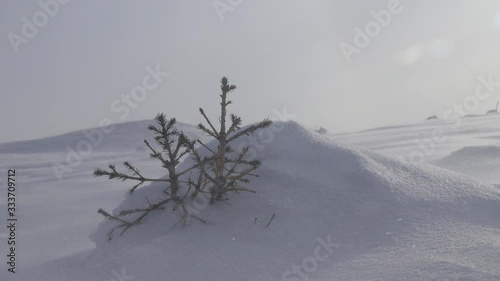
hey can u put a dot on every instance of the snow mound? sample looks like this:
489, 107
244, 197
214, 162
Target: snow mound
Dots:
472, 153
361, 204
127, 136
482, 162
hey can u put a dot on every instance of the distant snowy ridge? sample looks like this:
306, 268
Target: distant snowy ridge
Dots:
127, 136
468, 145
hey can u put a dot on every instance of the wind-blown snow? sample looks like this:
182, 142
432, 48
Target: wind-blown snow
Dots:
483, 162
468, 145
386, 220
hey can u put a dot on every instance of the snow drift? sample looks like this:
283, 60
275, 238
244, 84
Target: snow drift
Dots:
483, 162
380, 219
468, 145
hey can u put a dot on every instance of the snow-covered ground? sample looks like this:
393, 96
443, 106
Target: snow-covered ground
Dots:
468, 145
345, 207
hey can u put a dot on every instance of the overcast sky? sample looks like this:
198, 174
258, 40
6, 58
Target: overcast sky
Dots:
81, 60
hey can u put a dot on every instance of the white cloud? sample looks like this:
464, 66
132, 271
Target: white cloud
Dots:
410, 55
438, 48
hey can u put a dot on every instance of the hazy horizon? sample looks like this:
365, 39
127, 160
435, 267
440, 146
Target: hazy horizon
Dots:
75, 68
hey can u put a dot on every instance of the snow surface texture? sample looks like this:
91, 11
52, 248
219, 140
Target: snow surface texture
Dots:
468, 145
341, 213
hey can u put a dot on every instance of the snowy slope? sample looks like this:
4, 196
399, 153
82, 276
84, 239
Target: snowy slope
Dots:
482, 162
386, 220
120, 137
57, 213
468, 145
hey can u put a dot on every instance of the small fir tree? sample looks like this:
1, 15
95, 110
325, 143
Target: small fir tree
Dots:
227, 174
221, 172
174, 145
